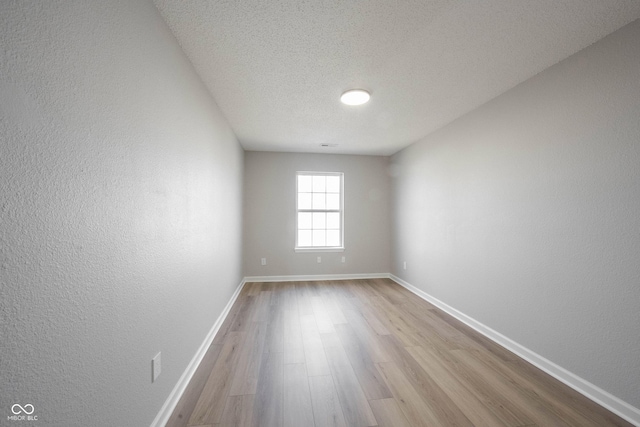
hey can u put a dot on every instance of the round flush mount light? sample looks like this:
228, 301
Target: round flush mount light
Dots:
355, 97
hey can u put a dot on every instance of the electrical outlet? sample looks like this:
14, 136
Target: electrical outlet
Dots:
319, 260
344, 259
156, 367
263, 261
404, 265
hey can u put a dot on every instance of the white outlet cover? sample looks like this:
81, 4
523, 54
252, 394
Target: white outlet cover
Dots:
319, 260
156, 367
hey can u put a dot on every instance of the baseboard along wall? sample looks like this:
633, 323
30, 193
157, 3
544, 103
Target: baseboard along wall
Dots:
582, 386
591, 391
310, 278
173, 399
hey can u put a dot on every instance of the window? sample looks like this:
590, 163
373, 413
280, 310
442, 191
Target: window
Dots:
319, 216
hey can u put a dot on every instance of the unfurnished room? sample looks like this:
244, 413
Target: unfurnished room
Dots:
319, 213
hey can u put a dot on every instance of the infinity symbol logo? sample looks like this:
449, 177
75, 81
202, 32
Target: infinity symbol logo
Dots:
27, 409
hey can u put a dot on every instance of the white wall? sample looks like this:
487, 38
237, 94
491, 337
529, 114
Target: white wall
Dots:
269, 214
120, 211
524, 214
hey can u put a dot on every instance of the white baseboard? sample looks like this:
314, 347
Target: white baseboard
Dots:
173, 399
591, 391
582, 386
312, 277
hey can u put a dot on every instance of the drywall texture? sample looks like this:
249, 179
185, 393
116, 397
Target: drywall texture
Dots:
269, 214
120, 211
524, 214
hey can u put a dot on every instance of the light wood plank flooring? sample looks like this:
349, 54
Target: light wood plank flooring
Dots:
366, 353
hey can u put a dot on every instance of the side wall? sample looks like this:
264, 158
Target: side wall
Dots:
269, 221
120, 211
523, 214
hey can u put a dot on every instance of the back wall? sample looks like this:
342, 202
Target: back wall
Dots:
269, 214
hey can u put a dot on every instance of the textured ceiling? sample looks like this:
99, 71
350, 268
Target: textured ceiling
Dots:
277, 68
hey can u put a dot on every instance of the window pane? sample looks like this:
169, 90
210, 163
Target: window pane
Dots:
304, 221
319, 221
319, 238
333, 201
304, 200
333, 238
333, 184
304, 183
304, 238
319, 193
319, 201
333, 220
319, 183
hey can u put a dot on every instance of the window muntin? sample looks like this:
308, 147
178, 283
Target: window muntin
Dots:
319, 210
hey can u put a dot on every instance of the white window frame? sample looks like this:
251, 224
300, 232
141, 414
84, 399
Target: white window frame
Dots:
340, 211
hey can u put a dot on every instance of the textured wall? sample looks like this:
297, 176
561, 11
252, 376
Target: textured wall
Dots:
120, 211
269, 221
524, 214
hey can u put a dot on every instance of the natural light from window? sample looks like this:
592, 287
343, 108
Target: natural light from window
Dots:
319, 210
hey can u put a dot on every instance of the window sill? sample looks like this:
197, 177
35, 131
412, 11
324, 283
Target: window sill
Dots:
319, 249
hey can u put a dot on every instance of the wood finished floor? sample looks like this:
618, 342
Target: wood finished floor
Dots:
366, 353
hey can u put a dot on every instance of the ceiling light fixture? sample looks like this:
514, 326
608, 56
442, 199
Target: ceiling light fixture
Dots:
355, 97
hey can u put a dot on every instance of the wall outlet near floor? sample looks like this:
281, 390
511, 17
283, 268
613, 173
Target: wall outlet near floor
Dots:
156, 367
344, 259
263, 261
319, 259
404, 265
